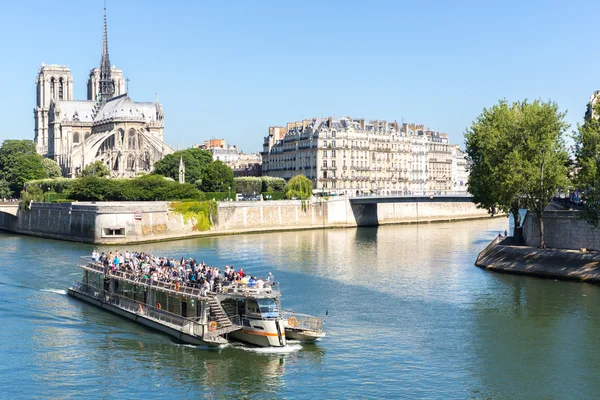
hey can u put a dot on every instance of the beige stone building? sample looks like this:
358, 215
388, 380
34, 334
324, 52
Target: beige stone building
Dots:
357, 156
127, 136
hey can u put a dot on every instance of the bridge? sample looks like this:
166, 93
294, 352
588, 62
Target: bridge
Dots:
446, 198
9, 208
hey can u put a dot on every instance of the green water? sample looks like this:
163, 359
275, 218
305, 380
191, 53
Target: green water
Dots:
409, 316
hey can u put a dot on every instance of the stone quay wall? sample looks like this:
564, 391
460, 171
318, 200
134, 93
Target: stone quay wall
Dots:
502, 256
562, 230
135, 222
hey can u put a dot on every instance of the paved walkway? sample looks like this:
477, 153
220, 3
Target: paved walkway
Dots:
548, 263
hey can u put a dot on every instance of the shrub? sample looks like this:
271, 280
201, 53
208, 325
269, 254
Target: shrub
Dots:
57, 185
248, 184
272, 184
143, 188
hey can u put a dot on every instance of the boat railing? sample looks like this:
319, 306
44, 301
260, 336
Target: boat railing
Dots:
187, 325
217, 327
269, 289
245, 290
302, 321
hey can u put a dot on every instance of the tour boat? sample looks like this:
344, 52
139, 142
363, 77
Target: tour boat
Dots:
238, 312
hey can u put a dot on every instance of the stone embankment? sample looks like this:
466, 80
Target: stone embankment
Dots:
501, 255
136, 222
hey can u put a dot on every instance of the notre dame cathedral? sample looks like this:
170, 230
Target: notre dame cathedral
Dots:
127, 136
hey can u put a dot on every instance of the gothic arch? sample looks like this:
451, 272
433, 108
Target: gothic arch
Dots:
76, 138
131, 162
52, 82
87, 135
61, 88
131, 139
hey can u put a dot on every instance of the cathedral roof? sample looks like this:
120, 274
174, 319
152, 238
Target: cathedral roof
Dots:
120, 108
73, 110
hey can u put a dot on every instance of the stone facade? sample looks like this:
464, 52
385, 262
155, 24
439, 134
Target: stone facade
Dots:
355, 156
562, 230
127, 136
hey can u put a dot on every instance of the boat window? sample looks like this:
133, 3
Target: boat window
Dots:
252, 306
174, 305
268, 307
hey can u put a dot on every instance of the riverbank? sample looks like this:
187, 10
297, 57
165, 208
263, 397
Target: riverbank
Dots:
140, 222
501, 255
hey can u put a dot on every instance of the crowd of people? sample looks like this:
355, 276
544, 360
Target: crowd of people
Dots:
184, 272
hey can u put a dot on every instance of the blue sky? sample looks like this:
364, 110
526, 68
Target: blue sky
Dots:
231, 69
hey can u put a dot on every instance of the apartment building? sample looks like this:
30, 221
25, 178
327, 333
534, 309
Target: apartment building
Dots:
357, 156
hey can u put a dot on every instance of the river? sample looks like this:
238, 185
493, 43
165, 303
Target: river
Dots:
407, 314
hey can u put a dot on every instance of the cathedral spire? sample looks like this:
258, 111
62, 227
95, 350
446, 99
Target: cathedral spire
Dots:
107, 86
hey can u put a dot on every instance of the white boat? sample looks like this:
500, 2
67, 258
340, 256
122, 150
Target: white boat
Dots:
250, 315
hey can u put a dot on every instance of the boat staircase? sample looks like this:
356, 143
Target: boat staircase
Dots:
225, 324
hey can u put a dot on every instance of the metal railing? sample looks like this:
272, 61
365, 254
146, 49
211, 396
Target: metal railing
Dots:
187, 325
302, 321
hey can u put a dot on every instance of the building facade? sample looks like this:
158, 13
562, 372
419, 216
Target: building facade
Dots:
127, 136
357, 156
241, 163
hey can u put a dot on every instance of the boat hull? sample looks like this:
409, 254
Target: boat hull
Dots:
264, 333
141, 319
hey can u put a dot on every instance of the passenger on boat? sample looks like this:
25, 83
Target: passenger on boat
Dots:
251, 282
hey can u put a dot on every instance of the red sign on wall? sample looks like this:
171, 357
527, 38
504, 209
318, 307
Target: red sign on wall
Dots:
137, 215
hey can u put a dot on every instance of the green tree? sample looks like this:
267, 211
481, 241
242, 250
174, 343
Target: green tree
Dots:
218, 177
518, 158
20, 162
195, 160
4, 189
52, 168
488, 144
34, 193
299, 187
587, 165
96, 169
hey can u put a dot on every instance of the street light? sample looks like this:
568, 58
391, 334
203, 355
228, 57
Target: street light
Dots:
229, 192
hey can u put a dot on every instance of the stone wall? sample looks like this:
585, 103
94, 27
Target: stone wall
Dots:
130, 222
562, 230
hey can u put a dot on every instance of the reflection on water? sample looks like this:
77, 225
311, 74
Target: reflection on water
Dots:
406, 312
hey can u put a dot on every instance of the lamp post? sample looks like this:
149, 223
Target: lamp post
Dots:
229, 192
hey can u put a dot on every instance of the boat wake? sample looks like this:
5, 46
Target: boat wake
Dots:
57, 291
290, 348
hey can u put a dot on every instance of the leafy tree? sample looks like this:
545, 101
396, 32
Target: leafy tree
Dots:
195, 160
20, 162
217, 177
542, 156
517, 157
298, 187
34, 193
587, 156
96, 169
52, 168
4, 189
488, 144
